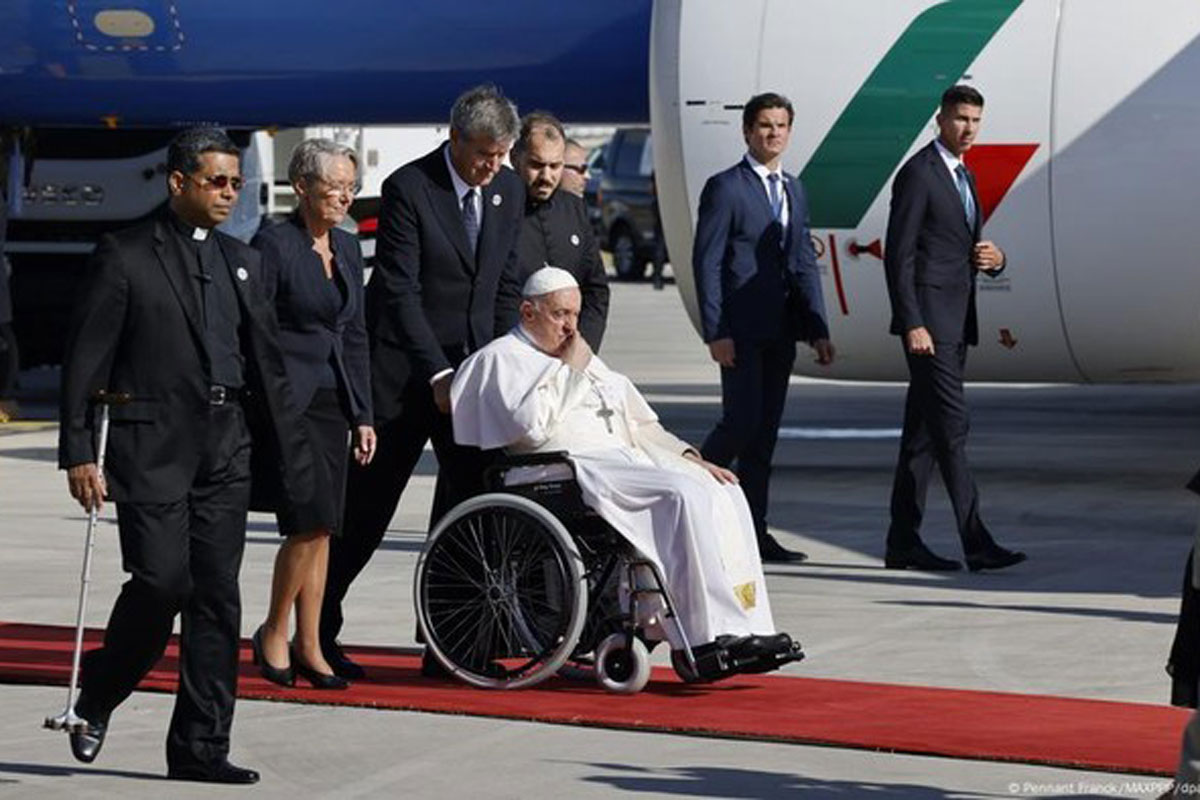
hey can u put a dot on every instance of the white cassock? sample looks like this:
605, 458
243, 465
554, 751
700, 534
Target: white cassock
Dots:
631, 471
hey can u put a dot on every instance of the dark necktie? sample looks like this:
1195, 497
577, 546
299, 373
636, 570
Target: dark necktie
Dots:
964, 192
471, 218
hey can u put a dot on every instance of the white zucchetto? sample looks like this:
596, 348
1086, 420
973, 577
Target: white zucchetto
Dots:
546, 280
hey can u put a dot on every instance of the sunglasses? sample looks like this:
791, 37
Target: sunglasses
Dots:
219, 182
579, 168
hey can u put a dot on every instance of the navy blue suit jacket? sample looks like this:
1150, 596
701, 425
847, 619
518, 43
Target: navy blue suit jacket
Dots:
429, 301
931, 281
740, 263
294, 278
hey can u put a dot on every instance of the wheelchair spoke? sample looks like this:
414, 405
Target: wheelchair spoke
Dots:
473, 528
453, 638
442, 558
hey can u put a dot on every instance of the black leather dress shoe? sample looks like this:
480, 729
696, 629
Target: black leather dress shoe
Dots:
761, 645
431, 667
221, 772
995, 557
919, 557
342, 666
85, 745
770, 550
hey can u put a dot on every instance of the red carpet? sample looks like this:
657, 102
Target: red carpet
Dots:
1092, 734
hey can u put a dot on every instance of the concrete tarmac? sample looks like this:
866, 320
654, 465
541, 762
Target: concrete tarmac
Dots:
1086, 479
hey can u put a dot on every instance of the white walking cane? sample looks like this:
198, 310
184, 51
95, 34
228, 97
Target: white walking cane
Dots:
68, 720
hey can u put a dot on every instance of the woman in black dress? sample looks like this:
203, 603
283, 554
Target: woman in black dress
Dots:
314, 273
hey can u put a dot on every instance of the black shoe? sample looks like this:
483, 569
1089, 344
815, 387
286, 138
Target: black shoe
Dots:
994, 557
770, 550
221, 772
919, 557
283, 677
85, 745
342, 666
760, 645
431, 667
319, 680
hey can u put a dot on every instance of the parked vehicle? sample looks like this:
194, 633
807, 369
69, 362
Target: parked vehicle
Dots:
83, 183
591, 190
628, 208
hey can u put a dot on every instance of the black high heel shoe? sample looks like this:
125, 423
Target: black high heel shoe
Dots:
319, 680
282, 677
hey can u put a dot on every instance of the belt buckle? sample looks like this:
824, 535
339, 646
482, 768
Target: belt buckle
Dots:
216, 395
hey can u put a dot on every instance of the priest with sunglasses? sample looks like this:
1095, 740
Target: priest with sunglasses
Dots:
174, 322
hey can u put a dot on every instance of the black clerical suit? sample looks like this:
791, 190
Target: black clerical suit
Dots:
430, 302
182, 327
557, 232
931, 284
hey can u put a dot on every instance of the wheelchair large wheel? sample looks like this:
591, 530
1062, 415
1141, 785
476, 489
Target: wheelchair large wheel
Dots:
500, 593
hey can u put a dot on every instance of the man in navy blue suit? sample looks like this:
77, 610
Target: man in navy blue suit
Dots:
933, 253
759, 292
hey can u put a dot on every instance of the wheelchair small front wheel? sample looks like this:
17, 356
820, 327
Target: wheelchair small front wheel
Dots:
622, 664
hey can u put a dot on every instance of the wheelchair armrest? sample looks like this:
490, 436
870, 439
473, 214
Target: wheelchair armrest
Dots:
532, 459
493, 475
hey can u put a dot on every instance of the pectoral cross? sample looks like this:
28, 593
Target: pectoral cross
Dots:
605, 413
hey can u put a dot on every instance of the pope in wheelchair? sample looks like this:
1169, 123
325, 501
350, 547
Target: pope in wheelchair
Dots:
602, 533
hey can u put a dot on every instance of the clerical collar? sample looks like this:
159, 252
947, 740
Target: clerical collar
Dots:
186, 229
533, 204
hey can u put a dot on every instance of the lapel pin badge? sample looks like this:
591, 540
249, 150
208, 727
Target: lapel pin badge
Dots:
575, 239
242, 274
497, 200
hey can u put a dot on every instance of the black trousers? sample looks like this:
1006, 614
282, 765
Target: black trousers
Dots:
373, 491
183, 558
9, 362
936, 423
753, 393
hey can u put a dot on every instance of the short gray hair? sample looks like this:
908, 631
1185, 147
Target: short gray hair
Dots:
308, 159
485, 111
540, 122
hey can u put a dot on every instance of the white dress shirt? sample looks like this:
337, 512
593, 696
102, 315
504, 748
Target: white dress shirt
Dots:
762, 171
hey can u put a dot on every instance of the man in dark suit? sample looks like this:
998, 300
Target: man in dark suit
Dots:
174, 316
556, 229
447, 233
759, 292
933, 252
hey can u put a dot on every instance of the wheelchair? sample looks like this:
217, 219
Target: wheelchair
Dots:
525, 581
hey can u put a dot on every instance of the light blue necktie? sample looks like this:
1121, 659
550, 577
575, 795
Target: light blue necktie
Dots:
964, 192
471, 218
776, 196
